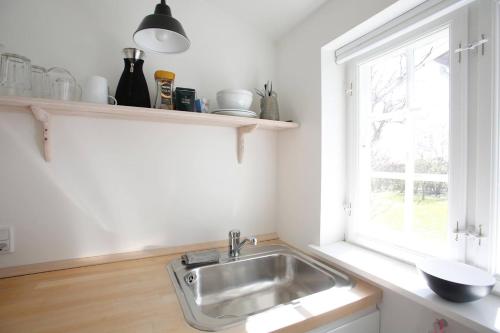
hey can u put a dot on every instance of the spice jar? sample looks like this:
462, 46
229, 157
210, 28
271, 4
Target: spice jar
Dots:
164, 90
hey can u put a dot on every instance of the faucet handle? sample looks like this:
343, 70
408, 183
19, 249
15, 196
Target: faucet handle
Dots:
235, 233
252, 240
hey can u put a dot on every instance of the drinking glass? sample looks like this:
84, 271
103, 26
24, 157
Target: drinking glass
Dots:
15, 75
62, 85
39, 81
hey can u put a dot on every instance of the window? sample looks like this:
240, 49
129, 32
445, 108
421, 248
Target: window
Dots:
404, 136
408, 142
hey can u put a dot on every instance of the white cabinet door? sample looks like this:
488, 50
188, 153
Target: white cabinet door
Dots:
369, 323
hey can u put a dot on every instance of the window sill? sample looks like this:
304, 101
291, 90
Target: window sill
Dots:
402, 278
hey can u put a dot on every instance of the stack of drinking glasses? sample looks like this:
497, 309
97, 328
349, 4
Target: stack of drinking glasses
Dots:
18, 77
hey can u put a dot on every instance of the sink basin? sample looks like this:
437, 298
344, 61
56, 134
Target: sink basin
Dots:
222, 295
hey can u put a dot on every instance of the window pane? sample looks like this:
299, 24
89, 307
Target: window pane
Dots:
404, 100
430, 214
388, 80
432, 72
388, 148
431, 104
431, 142
387, 205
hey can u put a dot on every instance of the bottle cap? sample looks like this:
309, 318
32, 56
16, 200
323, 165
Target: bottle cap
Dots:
165, 75
133, 53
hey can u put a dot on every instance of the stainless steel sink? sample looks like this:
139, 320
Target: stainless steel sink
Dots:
221, 295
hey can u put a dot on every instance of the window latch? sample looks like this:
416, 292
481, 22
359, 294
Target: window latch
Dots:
349, 90
348, 208
470, 232
473, 46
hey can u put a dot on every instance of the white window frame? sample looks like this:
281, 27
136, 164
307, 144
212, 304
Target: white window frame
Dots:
494, 226
457, 22
482, 200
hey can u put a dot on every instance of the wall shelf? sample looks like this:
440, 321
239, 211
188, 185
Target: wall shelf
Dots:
43, 109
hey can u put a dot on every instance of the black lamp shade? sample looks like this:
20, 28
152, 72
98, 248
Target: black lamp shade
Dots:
161, 32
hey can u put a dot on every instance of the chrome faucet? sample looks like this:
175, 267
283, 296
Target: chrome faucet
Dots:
235, 245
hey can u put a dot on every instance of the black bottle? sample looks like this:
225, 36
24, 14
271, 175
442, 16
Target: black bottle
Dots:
132, 89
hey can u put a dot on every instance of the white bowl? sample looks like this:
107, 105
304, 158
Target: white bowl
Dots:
234, 99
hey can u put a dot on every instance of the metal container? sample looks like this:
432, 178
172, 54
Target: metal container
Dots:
269, 108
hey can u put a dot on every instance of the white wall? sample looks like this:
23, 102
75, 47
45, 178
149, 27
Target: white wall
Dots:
115, 185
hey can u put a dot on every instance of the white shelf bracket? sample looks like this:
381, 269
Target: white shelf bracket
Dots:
242, 131
44, 118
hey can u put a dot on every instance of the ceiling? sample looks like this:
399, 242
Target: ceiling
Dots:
273, 17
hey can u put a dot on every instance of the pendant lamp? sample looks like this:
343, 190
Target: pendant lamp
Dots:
161, 32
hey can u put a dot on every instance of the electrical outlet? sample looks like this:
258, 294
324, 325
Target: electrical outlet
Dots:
4, 247
6, 240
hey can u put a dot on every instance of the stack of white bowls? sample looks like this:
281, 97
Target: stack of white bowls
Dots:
235, 102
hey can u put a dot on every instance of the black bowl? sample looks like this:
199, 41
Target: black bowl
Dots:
456, 282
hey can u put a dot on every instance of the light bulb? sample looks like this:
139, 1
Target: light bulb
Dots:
161, 35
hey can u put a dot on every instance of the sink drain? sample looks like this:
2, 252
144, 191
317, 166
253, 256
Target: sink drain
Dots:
190, 278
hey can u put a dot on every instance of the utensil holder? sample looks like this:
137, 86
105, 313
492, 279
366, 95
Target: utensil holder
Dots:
269, 108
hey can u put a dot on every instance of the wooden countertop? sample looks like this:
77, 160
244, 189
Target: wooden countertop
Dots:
137, 296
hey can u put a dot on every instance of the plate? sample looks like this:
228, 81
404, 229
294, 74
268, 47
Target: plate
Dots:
236, 112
